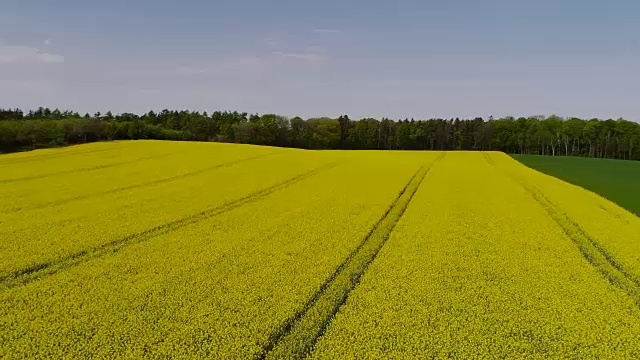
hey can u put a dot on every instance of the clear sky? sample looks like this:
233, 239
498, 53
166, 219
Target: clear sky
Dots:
374, 58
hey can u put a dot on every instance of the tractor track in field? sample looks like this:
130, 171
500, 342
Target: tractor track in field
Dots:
298, 335
40, 270
597, 256
134, 186
98, 167
58, 155
592, 251
488, 158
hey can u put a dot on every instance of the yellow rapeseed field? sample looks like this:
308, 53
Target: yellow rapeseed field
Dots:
478, 267
151, 249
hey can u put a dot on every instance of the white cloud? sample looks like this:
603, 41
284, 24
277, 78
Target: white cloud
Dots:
50, 58
237, 65
316, 49
256, 64
25, 54
325, 31
307, 56
193, 70
47, 42
272, 43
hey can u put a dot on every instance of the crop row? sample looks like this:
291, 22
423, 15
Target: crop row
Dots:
226, 251
477, 268
614, 230
300, 333
215, 288
100, 166
55, 183
61, 155
49, 234
39, 270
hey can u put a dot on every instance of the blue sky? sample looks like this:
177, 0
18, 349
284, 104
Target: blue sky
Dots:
310, 58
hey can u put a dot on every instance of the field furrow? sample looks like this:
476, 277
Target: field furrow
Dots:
37, 271
299, 333
78, 227
75, 171
182, 158
53, 154
597, 256
216, 288
478, 268
135, 186
613, 231
151, 249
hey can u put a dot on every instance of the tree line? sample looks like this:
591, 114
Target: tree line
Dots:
540, 135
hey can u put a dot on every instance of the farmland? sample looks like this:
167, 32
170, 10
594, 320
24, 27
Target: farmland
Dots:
617, 180
152, 249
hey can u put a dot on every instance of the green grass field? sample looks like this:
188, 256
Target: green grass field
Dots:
617, 180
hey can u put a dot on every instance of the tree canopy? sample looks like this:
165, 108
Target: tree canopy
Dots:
550, 135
